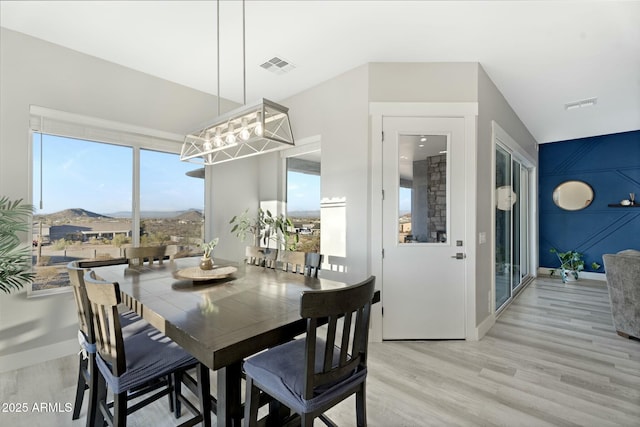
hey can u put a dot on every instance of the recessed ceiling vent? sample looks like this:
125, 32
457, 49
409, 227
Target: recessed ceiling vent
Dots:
581, 104
278, 65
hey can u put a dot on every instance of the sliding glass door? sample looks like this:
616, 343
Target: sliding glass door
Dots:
511, 226
504, 196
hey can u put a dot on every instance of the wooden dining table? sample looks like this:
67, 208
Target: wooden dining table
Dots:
220, 321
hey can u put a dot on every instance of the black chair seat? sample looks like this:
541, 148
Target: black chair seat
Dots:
282, 372
149, 354
313, 374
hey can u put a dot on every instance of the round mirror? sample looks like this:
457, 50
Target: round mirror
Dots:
573, 195
505, 198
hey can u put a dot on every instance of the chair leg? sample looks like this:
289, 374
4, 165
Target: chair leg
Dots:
172, 396
80, 387
120, 409
252, 400
175, 394
94, 376
306, 420
101, 402
361, 406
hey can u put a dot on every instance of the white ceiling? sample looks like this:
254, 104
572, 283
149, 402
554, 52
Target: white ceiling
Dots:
540, 54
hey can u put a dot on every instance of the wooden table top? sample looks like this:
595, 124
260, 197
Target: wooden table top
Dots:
222, 321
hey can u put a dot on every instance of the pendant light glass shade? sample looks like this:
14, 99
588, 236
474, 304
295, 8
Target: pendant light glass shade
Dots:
247, 131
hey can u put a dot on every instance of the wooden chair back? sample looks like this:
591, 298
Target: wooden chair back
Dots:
337, 263
83, 309
138, 256
104, 298
293, 261
264, 257
312, 264
307, 263
351, 304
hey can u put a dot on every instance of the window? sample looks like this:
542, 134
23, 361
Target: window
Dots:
86, 199
85, 204
303, 199
171, 202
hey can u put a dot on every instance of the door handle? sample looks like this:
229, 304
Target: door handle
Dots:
459, 255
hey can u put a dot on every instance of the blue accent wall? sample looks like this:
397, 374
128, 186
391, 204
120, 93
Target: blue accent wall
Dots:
610, 164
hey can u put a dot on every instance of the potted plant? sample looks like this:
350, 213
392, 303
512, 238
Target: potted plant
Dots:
571, 263
206, 263
264, 228
15, 259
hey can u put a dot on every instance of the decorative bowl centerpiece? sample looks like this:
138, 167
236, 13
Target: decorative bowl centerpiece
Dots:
206, 263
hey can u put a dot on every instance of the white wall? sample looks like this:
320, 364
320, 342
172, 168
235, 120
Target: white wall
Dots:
337, 111
34, 72
492, 106
423, 82
234, 188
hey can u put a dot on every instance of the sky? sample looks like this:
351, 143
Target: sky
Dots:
303, 192
98, 177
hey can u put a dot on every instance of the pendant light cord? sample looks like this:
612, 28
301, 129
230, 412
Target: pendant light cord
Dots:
41, 162
244, 57
218, 53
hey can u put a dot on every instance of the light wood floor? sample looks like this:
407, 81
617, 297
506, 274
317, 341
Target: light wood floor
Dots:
552, 359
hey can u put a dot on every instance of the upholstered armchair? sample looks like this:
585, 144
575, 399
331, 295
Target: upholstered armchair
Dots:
623, 280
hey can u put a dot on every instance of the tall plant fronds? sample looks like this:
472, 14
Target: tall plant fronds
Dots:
264, 228
15, 259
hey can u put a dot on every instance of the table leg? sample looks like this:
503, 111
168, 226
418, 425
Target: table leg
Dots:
204, 394
229, 399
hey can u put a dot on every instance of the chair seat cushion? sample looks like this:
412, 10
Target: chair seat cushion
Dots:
149, 355
280, 372
131, 324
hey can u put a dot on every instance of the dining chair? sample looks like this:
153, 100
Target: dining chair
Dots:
313, 374
131, 323
293, 261
307, 263
312, 264
139, 255
264, 257
140, 367
337, 263
86, 340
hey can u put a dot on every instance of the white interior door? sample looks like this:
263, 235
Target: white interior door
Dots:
424, 237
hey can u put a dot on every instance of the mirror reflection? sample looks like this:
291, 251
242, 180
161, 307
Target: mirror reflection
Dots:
422, 166
573, 195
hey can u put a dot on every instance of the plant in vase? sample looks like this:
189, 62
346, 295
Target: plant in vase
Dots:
206, 263
571, 263
264, 228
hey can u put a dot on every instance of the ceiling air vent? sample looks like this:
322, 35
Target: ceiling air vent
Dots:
580, 104
278, 65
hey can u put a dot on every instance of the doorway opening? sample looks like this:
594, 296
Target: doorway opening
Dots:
512, 242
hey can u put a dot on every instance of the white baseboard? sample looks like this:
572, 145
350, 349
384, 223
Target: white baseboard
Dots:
545, 271
483, 328
38, 355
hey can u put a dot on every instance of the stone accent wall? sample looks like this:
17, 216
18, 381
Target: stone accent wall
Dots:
437, 198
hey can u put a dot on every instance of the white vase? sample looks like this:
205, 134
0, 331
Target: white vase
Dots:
569, 276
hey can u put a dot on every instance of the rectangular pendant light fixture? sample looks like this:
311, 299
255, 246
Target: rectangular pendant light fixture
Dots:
247, 131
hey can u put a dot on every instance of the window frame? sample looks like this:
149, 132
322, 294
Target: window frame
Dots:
69, 125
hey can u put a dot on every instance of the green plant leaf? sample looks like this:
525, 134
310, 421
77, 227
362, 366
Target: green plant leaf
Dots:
15, 259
